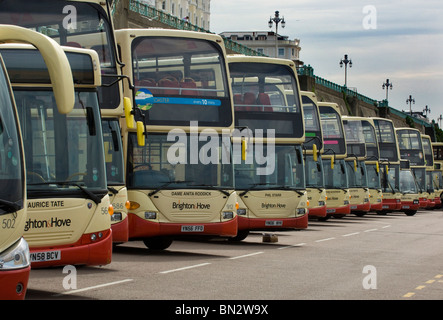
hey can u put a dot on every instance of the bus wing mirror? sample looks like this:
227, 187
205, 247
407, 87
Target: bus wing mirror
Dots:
128, 112
140, 133
314, 151
244, 149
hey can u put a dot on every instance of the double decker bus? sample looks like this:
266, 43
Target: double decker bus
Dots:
334, 155
87, 24
271, 189
409, 189
181, 182
437, 148
389, 164
431, 186
15, 262
313, 149
411, 148
67, 198
356, 165
372, 165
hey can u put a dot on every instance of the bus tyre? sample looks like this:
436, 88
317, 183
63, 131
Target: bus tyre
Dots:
410, 212
157, 243
241, 235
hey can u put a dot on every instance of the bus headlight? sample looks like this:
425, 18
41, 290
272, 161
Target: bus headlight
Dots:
117, 216
301, 211
241, 212
150, 215
415, 202
15, 257
228, 214
366, 200
321, 203
346, 202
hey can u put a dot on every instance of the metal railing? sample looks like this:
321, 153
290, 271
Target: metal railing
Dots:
177, 23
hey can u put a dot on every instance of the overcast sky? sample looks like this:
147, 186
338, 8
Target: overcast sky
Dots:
397, 40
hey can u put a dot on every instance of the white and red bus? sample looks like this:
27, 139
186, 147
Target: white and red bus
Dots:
270, 180
68, 204
15, 263
334, 155
313, 149
181, 181
87, 24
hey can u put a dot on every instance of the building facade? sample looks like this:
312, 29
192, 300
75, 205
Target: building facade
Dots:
197, 12
268, 43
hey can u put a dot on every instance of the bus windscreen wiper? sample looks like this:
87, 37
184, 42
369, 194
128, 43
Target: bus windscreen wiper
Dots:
90, 194
298, 190
253, 187
210, 187
167, 184
9, 206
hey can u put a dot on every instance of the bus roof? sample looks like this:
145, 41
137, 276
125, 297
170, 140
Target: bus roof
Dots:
337, 141
85, 65
313, 97
123, 34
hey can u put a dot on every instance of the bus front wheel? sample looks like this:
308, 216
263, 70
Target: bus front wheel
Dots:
410, 212
157, 243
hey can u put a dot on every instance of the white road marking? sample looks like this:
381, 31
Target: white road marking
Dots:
292, 246
246, 255
326, 239
93, 287
351, 234
186, 268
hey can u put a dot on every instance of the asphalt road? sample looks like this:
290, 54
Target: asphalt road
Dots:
391, 257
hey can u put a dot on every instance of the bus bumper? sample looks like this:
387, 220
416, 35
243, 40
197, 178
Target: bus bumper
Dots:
141, 228
245, 223
410, 205
339, 210
391, 204
365, 207
423, 202
318, 211
437, 201
376, 206
83, 252
120, 231
14, 283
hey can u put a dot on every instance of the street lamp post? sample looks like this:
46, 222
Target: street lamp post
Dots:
276, 19
387, 85
410, 100
345, 61
426, 110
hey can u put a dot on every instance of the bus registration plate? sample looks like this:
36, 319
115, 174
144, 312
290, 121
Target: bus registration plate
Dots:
45, 256
193, 228
271, 223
